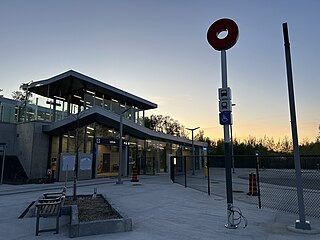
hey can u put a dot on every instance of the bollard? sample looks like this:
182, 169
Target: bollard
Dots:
94, 193
252, 185
134, 177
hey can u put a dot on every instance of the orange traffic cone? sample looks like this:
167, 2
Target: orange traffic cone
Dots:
252, 185
134, 177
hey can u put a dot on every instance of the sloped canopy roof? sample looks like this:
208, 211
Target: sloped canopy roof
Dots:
110, 119
71, 83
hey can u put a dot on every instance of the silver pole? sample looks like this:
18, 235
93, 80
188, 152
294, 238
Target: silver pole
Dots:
232, 151
301, 223
120, 147
76, 164
193, 158
120, 152
224, 85
230, 213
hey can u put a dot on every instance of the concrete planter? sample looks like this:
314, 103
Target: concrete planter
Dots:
80, 229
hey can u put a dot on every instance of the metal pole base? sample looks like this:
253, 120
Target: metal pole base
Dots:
230, 218
119, 182
303, 225
303, 228
231, 226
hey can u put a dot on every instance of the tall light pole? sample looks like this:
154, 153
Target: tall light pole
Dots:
301, 223
193, 158
120, 147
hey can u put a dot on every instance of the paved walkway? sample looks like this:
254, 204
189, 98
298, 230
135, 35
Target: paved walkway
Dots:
159, 210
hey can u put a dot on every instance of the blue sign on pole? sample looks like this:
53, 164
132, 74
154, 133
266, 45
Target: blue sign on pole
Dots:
225, 118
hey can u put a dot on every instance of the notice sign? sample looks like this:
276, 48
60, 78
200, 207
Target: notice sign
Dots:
68, 162
85, 161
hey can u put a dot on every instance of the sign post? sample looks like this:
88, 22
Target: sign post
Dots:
225, 105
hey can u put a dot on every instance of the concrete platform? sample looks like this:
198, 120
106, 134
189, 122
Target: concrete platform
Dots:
159, 210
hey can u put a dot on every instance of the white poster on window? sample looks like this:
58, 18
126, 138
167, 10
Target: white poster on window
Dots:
85, 161
68, 162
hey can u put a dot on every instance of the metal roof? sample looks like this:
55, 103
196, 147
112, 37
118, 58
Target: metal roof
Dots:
71, 83
110, 119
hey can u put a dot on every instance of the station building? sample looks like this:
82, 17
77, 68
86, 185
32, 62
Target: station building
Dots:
72, 111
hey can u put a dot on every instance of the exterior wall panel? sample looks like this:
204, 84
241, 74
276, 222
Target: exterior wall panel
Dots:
8, 134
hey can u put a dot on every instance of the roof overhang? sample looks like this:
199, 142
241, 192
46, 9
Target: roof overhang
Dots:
71, 83
110, 119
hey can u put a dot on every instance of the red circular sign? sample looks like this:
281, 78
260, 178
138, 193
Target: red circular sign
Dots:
219, 26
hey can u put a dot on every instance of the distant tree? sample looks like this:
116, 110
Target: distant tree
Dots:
165, 124
18, 95
248, 146
265, 146
216, 147
21, 95
148, 123
184, 132
318, 137
200, 136
286, 145
310, 148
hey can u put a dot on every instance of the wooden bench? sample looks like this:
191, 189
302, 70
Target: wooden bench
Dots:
55, 194
50, 207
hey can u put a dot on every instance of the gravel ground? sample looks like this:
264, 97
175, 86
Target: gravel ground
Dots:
91, 209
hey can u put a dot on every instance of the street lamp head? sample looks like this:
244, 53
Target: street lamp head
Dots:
192, 129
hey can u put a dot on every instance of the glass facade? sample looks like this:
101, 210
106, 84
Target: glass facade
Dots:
39, 108
149, 156
8, 112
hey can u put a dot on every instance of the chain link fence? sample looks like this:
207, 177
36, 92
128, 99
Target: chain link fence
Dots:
184, 174
274, 177
278, 183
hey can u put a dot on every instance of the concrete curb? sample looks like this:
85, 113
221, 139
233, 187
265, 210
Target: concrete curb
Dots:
80, 229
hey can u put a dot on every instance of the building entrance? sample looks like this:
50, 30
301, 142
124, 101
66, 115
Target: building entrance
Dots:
107, 158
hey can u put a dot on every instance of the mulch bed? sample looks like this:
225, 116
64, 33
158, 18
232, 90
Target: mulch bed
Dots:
92, 209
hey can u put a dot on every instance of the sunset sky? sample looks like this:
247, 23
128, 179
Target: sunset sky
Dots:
158, 50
